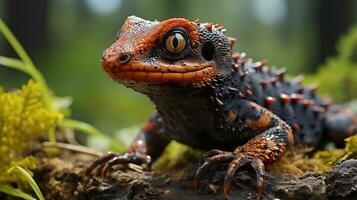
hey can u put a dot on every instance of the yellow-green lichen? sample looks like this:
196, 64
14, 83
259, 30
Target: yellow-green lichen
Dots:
23, 118
176, 158
297, 162
329, 158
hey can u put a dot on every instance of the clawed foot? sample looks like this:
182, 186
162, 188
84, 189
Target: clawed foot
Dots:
236, 160
106, 162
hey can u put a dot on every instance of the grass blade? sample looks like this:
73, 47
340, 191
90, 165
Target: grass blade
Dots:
29, 179
89, 129
28, 66
15, 192
13, 63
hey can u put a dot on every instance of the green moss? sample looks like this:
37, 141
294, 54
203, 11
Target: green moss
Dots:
176, 158
296, 162
23, 118
329, 158
338, 76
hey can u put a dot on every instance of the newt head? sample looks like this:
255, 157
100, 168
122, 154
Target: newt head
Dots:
176, 52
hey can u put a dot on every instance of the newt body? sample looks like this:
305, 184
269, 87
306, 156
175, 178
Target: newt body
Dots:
209, 98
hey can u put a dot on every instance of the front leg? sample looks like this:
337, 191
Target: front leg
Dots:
145, 149
271, 144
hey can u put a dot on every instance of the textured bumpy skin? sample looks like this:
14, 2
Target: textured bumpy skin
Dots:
245, 112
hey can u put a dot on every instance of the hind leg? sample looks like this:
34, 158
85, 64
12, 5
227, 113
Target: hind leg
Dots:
340, 123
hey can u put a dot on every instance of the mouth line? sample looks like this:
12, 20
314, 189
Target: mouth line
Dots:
159, 75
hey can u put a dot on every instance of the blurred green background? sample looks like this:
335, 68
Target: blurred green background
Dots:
66, 38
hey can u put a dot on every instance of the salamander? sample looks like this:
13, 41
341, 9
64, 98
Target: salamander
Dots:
242, 112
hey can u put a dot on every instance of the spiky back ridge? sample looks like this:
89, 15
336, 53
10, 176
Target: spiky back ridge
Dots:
297, 105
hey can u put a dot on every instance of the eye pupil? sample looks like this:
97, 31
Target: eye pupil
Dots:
175, 42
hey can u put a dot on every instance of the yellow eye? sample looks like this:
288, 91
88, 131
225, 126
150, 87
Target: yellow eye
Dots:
175, 43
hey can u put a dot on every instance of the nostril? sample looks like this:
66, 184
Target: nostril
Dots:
124, 58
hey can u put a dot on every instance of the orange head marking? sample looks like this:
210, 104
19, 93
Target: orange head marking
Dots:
174, 51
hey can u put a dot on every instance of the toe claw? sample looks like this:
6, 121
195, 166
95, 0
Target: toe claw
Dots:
237, 160
200, 173
104, 163
213, 152
202, 170
122, 159
97, 162
105, 171
231, 171
259, 168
